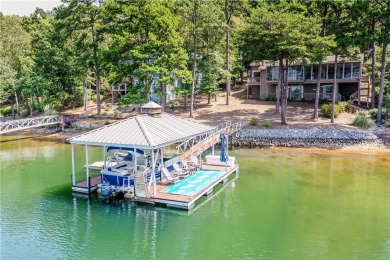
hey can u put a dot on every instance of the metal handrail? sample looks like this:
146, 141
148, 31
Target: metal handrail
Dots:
21, 124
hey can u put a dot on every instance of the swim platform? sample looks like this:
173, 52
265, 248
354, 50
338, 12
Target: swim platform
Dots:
194, 183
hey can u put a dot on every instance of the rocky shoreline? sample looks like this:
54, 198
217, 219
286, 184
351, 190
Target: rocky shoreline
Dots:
253, 138
331, 139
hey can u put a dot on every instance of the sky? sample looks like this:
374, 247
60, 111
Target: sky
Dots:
26, 7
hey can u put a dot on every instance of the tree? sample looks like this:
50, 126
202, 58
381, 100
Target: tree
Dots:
147, 44
231, 9
385, 38
14, 58
82, 19
280, 32
321, 46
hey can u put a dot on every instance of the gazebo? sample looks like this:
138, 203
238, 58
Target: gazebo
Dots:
150, 131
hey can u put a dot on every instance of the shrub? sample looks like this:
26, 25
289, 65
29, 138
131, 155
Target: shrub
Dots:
346, 106
6, 111
385, 113
24, 113
49, 110
267, 124
326, 111
254, 121
362, 120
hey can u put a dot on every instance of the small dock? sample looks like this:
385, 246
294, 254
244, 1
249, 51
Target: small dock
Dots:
82, 187
188, 202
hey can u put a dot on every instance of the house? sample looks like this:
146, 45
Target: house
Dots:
302, 80
120, 90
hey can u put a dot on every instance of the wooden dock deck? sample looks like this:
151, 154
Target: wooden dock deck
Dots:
82, 187
187, 202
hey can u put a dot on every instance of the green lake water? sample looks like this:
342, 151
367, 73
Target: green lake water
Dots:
285, 204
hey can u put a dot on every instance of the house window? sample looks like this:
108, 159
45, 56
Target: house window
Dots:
296, 92
347, 71
356, 70
275, 76
299, 73
330, 71
315, 72
327, 92
256, 76
269, 73
323, 71
291, 73
308, 73
340, 71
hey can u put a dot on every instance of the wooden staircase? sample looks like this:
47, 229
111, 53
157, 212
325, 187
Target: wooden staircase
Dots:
364, 94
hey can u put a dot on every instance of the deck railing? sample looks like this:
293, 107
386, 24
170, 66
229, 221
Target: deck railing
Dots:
308, 96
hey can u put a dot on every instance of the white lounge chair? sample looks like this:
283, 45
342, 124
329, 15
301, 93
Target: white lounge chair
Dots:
191, 169
195, 163
179, 171
169, 176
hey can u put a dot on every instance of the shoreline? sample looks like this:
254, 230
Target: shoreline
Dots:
265, 138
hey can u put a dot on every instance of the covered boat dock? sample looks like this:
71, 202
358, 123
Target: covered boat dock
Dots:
150, 132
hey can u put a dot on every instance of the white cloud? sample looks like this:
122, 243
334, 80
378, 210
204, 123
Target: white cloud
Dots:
26, 7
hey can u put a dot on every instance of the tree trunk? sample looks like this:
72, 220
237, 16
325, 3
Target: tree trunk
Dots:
373, 68
17, 103
193, 77
334, 86
283, 93
96, 65
185, 103
13, 110
381, 84
163, 96
227, 66
317, 99
278, 91
85, 95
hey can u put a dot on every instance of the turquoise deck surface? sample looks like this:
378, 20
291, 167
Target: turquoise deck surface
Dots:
194, 183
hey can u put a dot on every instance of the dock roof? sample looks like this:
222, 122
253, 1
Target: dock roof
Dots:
144, 131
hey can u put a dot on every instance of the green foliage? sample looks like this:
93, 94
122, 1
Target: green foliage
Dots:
385, 113
326, 110
254, 121
362, 120
49, 110
346, 106
6, 111
24, 113
267, 124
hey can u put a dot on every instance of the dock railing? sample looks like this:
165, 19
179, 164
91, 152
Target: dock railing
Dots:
197, 145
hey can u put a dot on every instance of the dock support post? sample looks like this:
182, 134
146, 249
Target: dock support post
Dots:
212, 142
73, 167
227, 146
89, 187
153, 173
86, 162
104, 158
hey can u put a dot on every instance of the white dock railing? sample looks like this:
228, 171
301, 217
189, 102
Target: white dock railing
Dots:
22, 124
195, 146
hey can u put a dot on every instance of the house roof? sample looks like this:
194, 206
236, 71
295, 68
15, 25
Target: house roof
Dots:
151, 104
144, 131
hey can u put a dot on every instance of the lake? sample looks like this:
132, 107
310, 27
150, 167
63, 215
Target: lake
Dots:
285, 204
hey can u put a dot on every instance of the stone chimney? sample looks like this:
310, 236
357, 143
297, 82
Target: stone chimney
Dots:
151, 109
